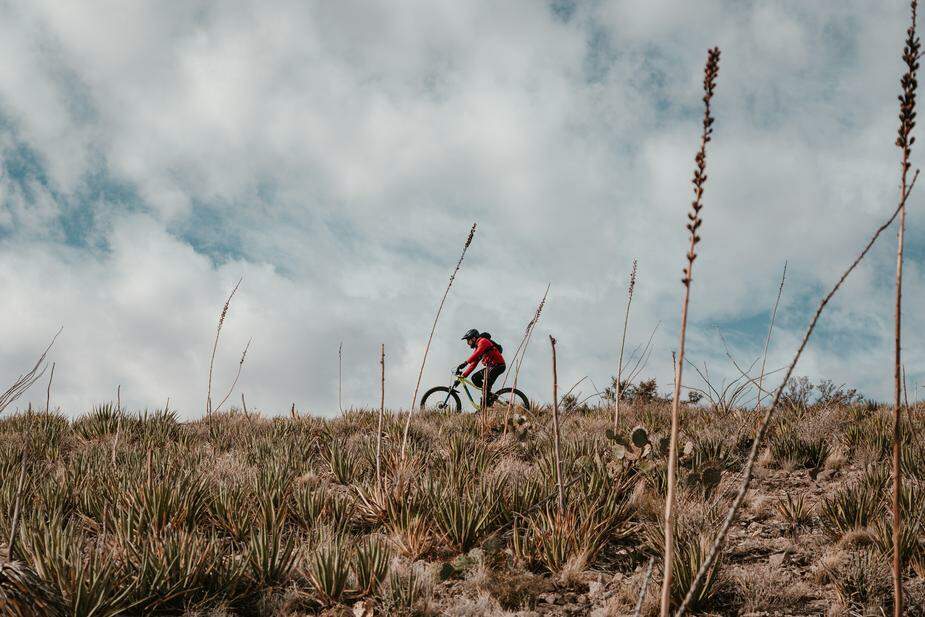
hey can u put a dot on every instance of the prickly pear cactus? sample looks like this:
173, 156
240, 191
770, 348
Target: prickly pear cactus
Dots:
640, 437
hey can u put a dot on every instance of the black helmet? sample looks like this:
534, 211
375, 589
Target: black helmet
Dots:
473, 333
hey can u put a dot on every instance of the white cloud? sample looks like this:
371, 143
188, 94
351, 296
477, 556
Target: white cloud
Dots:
336, 153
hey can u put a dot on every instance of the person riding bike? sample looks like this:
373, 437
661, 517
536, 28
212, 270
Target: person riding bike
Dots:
489, 353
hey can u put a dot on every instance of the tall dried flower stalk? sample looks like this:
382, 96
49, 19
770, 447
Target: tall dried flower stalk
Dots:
769, 413
48, 391
904, 141
767, 341
626, 319
417, 386
555, 427
340, 374
236, 377
709, 86
520, 353
381, 414
28, 379
218, 331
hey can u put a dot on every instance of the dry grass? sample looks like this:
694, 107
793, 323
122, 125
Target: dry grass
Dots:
278, 515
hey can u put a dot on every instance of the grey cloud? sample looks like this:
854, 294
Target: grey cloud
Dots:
340, 151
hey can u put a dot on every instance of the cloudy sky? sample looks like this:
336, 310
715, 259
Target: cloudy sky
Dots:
336, 153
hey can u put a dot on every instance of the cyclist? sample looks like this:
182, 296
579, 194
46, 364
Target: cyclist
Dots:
489, 353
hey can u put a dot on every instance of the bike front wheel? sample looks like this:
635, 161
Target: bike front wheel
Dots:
441, 398
512, 397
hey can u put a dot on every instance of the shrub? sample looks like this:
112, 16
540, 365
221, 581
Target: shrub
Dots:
851, 507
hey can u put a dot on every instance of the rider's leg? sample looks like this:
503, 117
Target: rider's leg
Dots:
493, 374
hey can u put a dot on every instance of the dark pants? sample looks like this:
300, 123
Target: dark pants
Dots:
493, 373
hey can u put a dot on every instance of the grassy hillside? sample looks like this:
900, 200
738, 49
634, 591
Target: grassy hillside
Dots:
242, 515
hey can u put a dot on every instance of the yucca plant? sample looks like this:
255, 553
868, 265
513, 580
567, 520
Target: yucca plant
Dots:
689, 556
231, 510
912, 461
788, 446
372, 502
155, 429
24, 594
409, 530
407, 592
852, 507
342, 464
274, 478
270, 555
370, 566
176, 571
177, 499
911, 540
552, 538
89, 584
102, 421
522, 496
794, 511
339, 514
308, 504
466, 516
328, 571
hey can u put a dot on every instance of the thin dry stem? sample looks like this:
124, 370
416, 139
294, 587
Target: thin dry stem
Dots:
522, 350
237, 375
560, 501
340, 373
626, 319
769, 413
904, 141
694, 221
381, 414
48, 390
767, 341
417, 385
218, 331
28, 379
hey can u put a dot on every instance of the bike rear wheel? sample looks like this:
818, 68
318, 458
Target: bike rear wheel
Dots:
506, 396
441, 398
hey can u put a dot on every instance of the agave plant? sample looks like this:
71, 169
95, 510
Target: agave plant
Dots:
89, 584
466, 516
342, 465
177, 499
911, 543
852, 507
24, 594
794, 511
522, 497
177, 570
689, 556
231, 510
406, 593
270, 555
328, 571
103, 420
409, 530
370, 566
155, 429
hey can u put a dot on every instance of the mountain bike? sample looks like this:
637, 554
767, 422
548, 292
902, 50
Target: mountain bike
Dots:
446, 398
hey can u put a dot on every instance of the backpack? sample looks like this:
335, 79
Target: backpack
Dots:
493, 342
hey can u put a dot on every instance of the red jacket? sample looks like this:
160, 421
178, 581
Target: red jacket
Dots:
487, 352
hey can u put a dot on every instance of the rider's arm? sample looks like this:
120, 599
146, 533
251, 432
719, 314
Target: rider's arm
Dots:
473, 360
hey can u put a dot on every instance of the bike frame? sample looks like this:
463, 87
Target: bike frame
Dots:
464, 381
